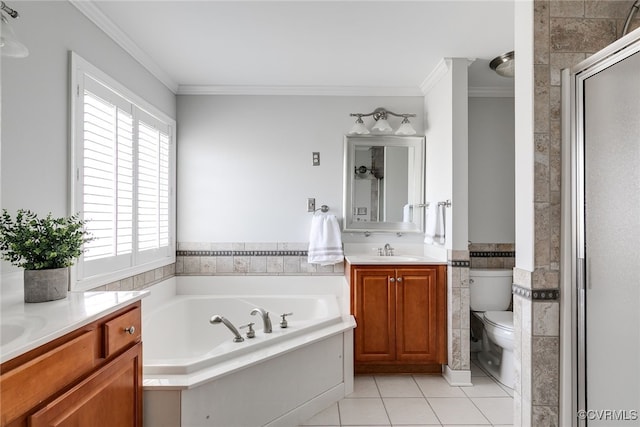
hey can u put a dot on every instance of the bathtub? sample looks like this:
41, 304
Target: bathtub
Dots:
196, 375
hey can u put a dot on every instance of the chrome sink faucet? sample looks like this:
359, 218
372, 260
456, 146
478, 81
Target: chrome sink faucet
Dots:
265, 318
388, 250
219, 319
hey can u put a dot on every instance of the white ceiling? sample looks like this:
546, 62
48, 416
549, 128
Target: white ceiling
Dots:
324, 45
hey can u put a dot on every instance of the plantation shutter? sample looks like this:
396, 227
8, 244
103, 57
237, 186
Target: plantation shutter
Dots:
153, 184
107, 190
125, 171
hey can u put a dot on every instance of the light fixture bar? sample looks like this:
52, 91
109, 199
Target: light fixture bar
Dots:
381, 125
6, 9
381, 113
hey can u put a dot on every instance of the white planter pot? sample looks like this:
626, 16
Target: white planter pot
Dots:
46, 285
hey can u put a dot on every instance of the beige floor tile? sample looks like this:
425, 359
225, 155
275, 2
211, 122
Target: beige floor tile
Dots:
499, 410
397, 386
363, 411
436, 386
457, 410
484, 387
364, 386
410, 410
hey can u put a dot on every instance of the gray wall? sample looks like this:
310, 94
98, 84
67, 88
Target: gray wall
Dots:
35, 101
244, 162
491, 170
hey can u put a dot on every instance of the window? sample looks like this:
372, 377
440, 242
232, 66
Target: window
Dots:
124, 175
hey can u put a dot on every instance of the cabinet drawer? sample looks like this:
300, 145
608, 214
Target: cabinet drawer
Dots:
122, 331
36, 380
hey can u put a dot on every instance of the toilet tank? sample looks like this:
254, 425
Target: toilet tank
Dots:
490, 289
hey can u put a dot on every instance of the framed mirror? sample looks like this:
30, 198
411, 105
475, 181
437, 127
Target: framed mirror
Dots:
384, 183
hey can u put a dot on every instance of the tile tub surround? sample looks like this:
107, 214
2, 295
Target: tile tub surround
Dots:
245, 258
140, 281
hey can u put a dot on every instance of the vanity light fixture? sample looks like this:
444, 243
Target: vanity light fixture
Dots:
359, 128
381, 125
504, 64
9, 44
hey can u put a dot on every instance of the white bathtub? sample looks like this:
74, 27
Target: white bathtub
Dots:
196, 375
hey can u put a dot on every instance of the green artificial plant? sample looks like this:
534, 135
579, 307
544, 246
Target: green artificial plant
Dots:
36, 243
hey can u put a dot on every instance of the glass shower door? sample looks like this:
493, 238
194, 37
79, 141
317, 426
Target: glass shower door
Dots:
611, 237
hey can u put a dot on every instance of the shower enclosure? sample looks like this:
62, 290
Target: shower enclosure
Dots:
604, 283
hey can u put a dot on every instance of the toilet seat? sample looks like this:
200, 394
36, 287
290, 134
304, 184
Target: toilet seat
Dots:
500, 319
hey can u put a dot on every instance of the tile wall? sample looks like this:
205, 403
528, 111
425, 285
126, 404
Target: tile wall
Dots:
140, 281
245, 258
565, 32
492, 255
458, 324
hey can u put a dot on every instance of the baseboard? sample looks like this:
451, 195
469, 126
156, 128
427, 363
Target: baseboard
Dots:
461, 378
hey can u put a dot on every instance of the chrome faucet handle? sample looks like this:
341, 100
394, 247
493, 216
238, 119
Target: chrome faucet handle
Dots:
250, 333
380, 251
283, 322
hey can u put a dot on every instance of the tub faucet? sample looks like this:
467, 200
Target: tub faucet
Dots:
219, 319
265, 318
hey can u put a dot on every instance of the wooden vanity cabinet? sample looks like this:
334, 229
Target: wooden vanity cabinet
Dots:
401, 316
89, 377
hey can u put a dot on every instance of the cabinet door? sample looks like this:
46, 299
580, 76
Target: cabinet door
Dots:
375, 311
419, 316
112, 396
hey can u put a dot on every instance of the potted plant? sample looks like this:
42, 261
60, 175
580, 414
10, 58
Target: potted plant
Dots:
45, 248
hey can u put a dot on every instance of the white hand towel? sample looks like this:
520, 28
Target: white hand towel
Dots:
407, 213
325, 241
435, 227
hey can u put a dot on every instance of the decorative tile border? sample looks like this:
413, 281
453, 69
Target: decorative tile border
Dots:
459, 263
536, 294
243, 253
492, 254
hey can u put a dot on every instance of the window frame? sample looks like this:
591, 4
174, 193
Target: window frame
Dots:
141, 261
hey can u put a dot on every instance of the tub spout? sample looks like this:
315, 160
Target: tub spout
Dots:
219, 319
265, 318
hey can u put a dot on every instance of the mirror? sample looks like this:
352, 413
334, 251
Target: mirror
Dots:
384, 183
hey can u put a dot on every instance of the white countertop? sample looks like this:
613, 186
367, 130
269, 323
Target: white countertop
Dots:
25, 326
363, 259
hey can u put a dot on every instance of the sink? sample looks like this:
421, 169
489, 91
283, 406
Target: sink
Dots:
17, 326
9, 332
391, 259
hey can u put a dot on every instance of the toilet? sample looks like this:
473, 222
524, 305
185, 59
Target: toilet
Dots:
490, 297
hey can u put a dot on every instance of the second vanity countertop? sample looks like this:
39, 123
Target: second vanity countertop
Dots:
25, 326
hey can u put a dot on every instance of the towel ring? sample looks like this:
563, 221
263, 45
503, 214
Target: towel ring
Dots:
323, 209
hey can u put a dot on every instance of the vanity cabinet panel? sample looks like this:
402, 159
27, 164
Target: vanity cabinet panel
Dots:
374, 309
91, 376
401, 317
421, 316
108, 398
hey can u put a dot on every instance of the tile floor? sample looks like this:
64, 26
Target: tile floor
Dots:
420, 400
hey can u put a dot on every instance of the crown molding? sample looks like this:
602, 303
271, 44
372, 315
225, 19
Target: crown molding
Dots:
491, 92
95, 15
435, 75
298, 90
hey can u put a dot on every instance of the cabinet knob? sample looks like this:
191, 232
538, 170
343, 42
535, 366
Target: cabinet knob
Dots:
130, 330
391, 279
399, 279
